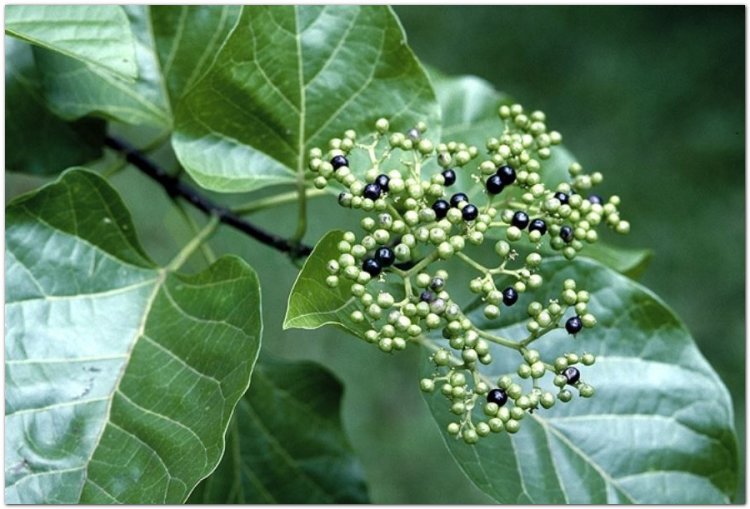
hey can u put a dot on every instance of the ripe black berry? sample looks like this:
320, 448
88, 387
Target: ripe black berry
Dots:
437, 283
539, 225
520, 219
458, 198
371, 266
497, 396
426, 296
595, 199
510, 296
494, 184
339, 161
382, 181
562, 197
566, 233
469, 212
573, 325
372, 191
441, 208
450, 177
572, 375
385, 256
506, 174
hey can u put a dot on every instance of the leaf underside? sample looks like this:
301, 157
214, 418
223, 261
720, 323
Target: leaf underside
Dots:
121, 376
287, 444
657, 431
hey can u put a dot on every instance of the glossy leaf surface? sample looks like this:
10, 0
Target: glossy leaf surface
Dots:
286, 443
75, 89
658, 430
312, 303
98, 35
290, 78
121, 376
37, 141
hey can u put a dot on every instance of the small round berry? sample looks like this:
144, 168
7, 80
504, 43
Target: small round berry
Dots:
449, 176
339, 161
586, 391
566, 233
507, 174
427, 385
512, 426
573, 325
564, 198
458, 198
382, 180
371, 266
588, 359
470, 212
510, 296
520, 219
572, 375
372, 191
384, 256
494, 184
441, 208
497, 396
538, 225
427, 296
595, 199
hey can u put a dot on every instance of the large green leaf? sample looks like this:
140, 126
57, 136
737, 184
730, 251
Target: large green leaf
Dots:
98, 35
658, 430
292, 77
121, 376
286, 443
36, 141
187, 40
312, 303
75, 89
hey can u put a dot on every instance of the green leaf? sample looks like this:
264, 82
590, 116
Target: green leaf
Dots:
658, 430
74, 89
312, 303
98, 35
290, 78
36, 141
187, 40
286, 443
121, 376
631, 262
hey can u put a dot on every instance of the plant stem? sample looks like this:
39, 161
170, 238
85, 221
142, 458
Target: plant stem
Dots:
179, 260
277, 199
470, 261
302, 214
497, 339
175, 187
206, 250
424, 263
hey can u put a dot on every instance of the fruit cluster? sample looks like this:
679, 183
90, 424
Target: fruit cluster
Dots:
430, 205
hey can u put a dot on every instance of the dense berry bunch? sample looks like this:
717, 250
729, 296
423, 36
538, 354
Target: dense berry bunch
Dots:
419, 214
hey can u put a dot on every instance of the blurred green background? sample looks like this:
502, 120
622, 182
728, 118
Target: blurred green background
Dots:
651, 96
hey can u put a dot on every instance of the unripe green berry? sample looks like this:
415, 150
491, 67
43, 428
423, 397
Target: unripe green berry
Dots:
427, 385
513, 233
588, 359
445, 250
538, 369
453, 428
585, 390
588, 320
512, 426
470, 436
504, 382
565, 396
458, 407
560, 381
385, 344
514, 391
469, 355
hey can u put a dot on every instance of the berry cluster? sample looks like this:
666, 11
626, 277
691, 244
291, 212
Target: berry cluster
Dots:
416, 218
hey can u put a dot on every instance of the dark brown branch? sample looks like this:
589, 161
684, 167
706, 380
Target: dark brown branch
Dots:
175, 187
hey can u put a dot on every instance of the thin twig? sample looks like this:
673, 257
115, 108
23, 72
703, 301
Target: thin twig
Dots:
174, 187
